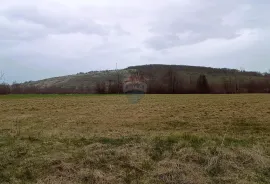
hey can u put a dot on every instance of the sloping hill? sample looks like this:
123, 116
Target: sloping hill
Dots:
95, 76
81, 79
161, 76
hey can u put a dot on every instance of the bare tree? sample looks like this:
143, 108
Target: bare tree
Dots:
236, 81
268, 81
1, 75
225, 85
100, 87
4, 88
16, 88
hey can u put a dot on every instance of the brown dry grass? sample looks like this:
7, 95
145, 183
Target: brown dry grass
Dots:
163, 139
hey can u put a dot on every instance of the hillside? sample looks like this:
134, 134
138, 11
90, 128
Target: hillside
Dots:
81, 79
182, 78
95, 76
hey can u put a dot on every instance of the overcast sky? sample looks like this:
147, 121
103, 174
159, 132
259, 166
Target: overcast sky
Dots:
45, 38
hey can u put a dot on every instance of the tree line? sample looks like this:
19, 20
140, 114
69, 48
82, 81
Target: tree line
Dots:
165, 81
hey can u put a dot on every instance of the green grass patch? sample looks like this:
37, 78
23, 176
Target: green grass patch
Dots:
248, 125
263, 176
103, 140
161, 145
228, 142
175, 124
194, 140
25, 96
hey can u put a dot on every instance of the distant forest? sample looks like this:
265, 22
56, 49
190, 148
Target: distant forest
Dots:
161, 79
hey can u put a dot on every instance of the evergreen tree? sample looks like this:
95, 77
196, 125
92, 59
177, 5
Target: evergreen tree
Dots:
202, 84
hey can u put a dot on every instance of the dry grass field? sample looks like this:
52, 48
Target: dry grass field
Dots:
170, 139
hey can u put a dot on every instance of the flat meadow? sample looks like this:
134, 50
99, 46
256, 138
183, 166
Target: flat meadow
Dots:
170, 139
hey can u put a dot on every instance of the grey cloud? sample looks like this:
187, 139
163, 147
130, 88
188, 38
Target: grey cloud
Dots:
206, 22
119, 30
55, 22
19, 30
163, 41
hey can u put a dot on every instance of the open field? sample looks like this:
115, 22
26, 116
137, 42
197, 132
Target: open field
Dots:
185, 139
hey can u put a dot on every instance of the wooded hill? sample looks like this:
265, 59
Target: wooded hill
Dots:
161, 79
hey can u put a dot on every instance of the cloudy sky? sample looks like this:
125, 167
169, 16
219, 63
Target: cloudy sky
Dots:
45, 38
